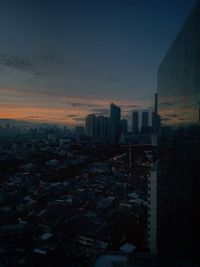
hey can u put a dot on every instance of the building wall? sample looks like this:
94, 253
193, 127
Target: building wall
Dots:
179, 142
179, 76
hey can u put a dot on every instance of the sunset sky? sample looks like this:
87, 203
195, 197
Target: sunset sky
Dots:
61, 60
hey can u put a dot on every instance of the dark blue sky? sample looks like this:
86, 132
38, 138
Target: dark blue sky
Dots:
60, 60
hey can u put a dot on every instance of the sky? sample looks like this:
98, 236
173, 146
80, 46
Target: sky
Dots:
61, 60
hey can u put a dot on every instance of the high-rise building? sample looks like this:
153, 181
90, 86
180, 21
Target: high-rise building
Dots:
145, 118
102, 128
124, 126
135, 122
97, 127
107, 127
179, 143
91, 125
155, 119
115, 117
145, 128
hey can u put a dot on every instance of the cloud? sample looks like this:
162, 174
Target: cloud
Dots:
167, 104
79, 119
78, 104
72, 115
100, 111
131, 106
34, 117
165, 119
36, 65
172, 116
16, 62
50, 59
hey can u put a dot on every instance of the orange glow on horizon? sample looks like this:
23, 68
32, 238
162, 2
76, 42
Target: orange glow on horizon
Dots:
40, 106
37, 114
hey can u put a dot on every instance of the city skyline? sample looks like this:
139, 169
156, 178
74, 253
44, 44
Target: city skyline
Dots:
100, 133
64, 67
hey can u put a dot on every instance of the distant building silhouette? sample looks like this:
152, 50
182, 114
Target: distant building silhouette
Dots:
145, 118
97, 128
135, 122
91, 125
102, 128
155, 114
124, 126
146, 129
115, 117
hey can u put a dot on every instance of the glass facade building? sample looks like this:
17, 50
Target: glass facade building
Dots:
179, 76
179, 143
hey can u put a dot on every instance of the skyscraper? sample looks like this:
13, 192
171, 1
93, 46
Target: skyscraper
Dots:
145, 118
124, 126
115, 117
135, 122
91, 125
97, 127
102, 128
155, 118
146, 129
107, 128
179, 143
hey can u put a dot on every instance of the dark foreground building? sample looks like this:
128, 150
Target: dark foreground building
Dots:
179, 140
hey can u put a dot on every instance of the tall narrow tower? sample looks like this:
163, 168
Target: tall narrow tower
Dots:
115, 118
135, 122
